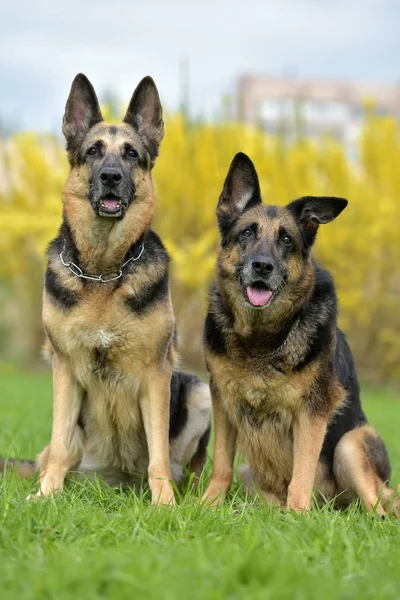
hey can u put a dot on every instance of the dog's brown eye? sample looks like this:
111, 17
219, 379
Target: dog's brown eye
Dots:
132, 153
92, 151
247, 232
287, 239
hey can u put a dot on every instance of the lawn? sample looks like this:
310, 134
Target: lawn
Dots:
94, 542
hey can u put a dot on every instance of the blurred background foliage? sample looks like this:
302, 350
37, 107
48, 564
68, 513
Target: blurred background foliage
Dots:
362, 248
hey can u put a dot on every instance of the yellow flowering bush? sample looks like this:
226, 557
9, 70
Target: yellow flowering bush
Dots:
362, 248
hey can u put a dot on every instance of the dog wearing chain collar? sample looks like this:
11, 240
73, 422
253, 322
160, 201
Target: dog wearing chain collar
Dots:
120, 407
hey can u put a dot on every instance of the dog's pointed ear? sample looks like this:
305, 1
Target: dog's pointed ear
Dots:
241, 191
312, 211
145, 115
82, 112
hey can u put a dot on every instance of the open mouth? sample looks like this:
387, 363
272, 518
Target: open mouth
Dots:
258, 294
110, 206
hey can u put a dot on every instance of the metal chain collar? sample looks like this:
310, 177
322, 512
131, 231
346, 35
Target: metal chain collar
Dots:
77, 271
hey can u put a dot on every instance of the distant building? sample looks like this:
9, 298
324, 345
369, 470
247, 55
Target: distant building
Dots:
293, 106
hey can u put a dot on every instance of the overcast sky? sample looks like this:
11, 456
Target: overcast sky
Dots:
44, 43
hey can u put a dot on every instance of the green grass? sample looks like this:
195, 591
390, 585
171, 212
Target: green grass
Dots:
94, 542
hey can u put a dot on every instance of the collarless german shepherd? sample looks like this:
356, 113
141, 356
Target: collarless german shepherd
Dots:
283, 382
120, 408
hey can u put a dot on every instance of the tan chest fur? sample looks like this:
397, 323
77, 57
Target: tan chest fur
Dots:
262, 406
110, 350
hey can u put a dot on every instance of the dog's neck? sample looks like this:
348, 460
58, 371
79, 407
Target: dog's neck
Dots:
102, 242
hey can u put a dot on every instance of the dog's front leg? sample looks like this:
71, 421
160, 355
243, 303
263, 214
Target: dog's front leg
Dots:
64, 451
224, 453
308, 433
155, 412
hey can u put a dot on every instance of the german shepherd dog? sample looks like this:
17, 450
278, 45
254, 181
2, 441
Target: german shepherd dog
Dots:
283, 382
119, 408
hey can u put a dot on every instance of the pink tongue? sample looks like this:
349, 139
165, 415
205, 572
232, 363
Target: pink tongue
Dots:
111, 203
258, 297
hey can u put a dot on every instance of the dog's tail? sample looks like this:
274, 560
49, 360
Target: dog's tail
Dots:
24, 468
191, 403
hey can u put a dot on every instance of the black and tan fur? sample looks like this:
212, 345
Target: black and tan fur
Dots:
120, 407
283, 382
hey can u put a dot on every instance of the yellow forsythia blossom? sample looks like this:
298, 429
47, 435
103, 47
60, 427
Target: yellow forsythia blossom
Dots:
362, 248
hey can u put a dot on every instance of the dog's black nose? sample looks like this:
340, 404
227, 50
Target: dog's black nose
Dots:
263, 266
110, 176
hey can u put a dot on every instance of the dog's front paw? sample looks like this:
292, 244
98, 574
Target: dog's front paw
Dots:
298, 501
298, 508
34, 497
40, 494
213, 496
48, 488
162, 492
